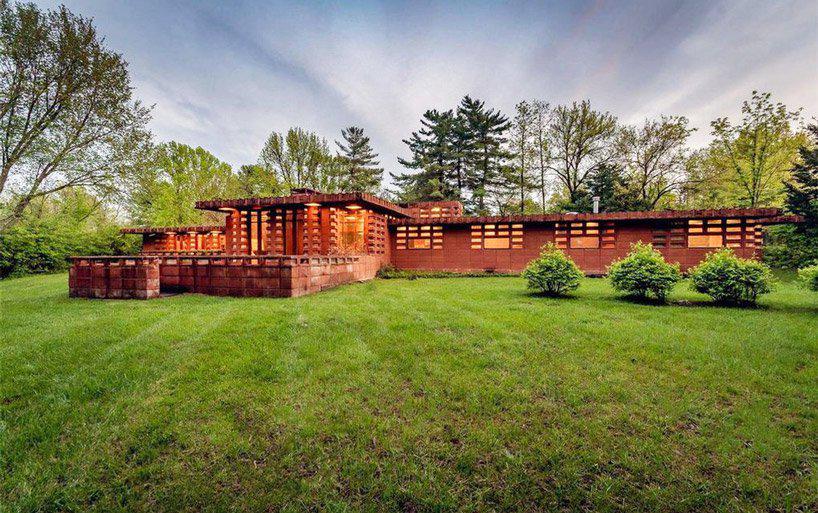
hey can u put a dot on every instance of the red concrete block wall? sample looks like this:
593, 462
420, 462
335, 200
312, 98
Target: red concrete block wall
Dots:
263, 276
114, 277
458, 256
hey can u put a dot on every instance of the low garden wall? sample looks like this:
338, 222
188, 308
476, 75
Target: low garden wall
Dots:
222, 275
114, 277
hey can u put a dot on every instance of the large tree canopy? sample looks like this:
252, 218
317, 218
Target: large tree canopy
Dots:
67, 115
165, 192
301, 159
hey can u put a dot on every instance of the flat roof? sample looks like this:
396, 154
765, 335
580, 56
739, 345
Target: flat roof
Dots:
765, 215
173, 229
345, 198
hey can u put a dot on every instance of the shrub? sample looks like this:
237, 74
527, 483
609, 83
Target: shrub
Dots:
809, 277
788, 247
553, 272
45, 247
730, 279
643, 272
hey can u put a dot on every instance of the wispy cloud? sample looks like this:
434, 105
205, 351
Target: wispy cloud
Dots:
224, 74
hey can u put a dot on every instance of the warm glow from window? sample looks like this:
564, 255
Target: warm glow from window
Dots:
704, 241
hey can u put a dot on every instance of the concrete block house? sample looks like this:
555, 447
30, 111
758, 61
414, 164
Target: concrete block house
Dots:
309, 241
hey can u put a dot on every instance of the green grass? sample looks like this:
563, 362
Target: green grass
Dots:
407, 395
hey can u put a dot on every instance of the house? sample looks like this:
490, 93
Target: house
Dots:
309, 241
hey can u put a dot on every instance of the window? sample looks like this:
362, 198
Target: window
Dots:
419, 237
705, 233
669, 235
497, 236
585, 235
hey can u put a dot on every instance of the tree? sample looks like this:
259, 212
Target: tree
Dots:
486, 158
257, 181
177, 176
654, 156
300, 159
67, 114
542, 116
434, 157
757, 154
581, 140
524, 151
359, 161
802, 189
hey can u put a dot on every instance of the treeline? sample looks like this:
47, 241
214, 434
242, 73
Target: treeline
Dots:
77, 159
550, 159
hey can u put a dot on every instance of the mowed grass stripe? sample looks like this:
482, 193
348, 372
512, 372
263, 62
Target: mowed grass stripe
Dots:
424, 395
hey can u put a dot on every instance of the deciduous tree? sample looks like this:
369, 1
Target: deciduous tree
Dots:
580, 139
67, 113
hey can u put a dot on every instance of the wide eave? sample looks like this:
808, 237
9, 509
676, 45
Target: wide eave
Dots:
764, 216
173, 229
342, 199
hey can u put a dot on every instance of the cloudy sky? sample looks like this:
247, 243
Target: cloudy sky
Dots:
224, 74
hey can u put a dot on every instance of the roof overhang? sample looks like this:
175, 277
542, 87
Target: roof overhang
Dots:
173, 229
763, 215
294, 200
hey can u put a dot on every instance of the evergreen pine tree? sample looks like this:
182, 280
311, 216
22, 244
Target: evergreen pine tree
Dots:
802, 190
434, 157
486, 157
361, 171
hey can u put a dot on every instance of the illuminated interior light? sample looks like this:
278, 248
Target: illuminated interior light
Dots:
353, 207
312, 204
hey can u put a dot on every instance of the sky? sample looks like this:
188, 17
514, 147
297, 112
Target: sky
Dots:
223, 75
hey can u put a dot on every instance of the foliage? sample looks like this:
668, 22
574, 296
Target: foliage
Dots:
654, 157
255, 181
390, 272
643, 272
458, 156
70, 222
523, 145
67, 115
809, 277
730, 279
752, 160
802, 190
301, 159
165, 191
580, 140
553, 272
359, 164
787, 247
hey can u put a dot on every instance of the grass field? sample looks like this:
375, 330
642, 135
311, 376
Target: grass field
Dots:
407, 395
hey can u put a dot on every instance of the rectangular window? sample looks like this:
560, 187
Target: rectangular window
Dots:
497, 236
419, 237
705, 233
704, 241
585, 235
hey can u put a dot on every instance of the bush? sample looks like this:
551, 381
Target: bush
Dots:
45, 247
553, 272
390, 272
788, 247
809, 277
643, 272
730, 279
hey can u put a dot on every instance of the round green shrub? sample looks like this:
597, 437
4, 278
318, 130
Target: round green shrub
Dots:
644, 272
553, 272
809, 277
729, 279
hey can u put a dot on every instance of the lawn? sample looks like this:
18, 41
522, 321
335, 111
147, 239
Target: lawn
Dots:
407, 395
